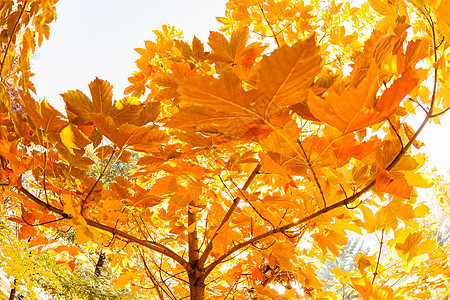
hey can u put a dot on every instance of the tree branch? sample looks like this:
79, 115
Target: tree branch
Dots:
274, 35
121, 234
440, 113
150, 275
225, 219
192, 236
320, 212
308, 163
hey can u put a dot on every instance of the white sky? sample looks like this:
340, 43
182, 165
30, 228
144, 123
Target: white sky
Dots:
96, 38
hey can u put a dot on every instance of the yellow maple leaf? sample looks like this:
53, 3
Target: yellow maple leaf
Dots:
288, 72
415, 245
330, 240
396, 209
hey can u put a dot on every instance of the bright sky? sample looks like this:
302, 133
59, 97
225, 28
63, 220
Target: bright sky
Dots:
97, 38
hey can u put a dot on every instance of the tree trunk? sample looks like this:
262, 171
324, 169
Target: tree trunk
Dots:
12, 294
196, 287
100, 264
196, 271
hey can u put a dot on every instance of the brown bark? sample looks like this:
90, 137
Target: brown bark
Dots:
195, 270
12, 294
197, 285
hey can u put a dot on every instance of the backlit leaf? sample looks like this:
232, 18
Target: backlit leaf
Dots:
288, 72
101, 92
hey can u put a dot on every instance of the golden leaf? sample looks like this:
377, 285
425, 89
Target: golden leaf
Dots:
101, 92
73, 138
358, 107
288, 72
234, 52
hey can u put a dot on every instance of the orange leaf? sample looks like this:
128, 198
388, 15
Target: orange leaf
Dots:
234, 52
27, 216
331, 240
73, 138
101, 92
357, 107
78, 107
364, 287
26, 231
177, 229
415, 52
126, 110
257, 275
71, 264
43, 115
398, 186
288, 72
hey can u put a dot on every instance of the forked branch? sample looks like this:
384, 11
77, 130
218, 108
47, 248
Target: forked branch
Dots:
322, 211
227, 217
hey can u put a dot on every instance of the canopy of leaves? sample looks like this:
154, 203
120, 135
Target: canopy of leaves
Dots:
251, 155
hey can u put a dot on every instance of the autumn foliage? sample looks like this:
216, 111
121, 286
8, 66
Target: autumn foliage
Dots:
259, 152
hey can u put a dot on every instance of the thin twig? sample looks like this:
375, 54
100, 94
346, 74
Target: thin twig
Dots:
10, 39
243, 196
440, 113
231, 289
308, 163
150, 275
110, 242
161, 270
164, 280
274, 35
379, 256
278, 33
139, 226
420, 105
44, 180
396, 132
100, 176
225, 219
146, 228
43, 223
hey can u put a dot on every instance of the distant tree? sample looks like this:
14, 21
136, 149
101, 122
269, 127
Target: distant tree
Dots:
36, 273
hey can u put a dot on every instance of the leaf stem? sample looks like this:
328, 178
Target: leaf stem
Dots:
308, 163
10, 40
150, 275
379, 256
274, 35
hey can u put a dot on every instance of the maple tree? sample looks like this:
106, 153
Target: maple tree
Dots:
253, 159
